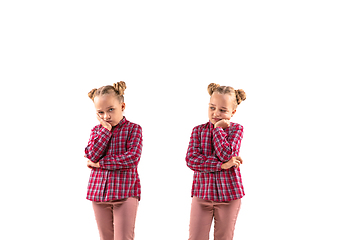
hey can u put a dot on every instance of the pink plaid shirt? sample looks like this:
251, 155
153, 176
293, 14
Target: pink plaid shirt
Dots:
118, 153
210, 147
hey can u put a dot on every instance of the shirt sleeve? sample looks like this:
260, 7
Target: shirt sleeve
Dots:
197, 161
99, 139
130, 158
227, 146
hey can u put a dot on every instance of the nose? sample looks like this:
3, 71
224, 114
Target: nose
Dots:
106, 116
216, 113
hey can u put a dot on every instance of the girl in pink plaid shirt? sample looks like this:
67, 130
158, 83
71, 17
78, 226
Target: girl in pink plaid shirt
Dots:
113, 153
213, 155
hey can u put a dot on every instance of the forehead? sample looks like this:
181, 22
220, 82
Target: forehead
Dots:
105, 101
218, 99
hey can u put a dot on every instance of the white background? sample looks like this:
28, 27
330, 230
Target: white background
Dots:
298, 62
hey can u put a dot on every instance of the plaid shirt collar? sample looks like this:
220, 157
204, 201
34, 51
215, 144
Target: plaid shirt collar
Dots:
211, 126
118, 126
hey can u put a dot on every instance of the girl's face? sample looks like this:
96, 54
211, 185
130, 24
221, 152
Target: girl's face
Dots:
220, 107
109, 108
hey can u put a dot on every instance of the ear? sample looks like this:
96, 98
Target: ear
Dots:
123, 106
233, 112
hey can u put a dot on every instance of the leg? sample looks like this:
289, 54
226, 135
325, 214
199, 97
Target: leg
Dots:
201, 216
124, 218
104, 218
225, 219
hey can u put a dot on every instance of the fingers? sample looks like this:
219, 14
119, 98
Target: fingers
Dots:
98, 117
92, 165
89, 165
239, 159
223, 123
102, 121
233, 162
226, 122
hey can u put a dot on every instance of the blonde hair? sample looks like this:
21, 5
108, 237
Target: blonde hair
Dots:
239, 95
117, 88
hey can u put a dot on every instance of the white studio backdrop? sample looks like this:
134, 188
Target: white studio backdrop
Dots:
298, 62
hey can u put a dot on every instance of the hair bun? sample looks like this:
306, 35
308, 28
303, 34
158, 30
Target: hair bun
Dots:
92, 93
120, 87
212, 87
240, 95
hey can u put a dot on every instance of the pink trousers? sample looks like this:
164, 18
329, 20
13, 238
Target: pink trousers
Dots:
204, 211
116, 219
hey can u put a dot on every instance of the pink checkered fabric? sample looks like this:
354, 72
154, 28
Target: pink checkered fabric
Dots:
118, 153
208, 149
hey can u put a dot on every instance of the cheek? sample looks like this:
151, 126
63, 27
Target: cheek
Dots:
118, 114
226, 115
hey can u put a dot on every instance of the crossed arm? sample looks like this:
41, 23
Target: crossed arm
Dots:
225, 151
126, 160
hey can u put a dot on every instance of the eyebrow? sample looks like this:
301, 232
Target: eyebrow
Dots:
106, 108
215, 106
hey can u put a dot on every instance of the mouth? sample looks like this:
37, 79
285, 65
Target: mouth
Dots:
216, 119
